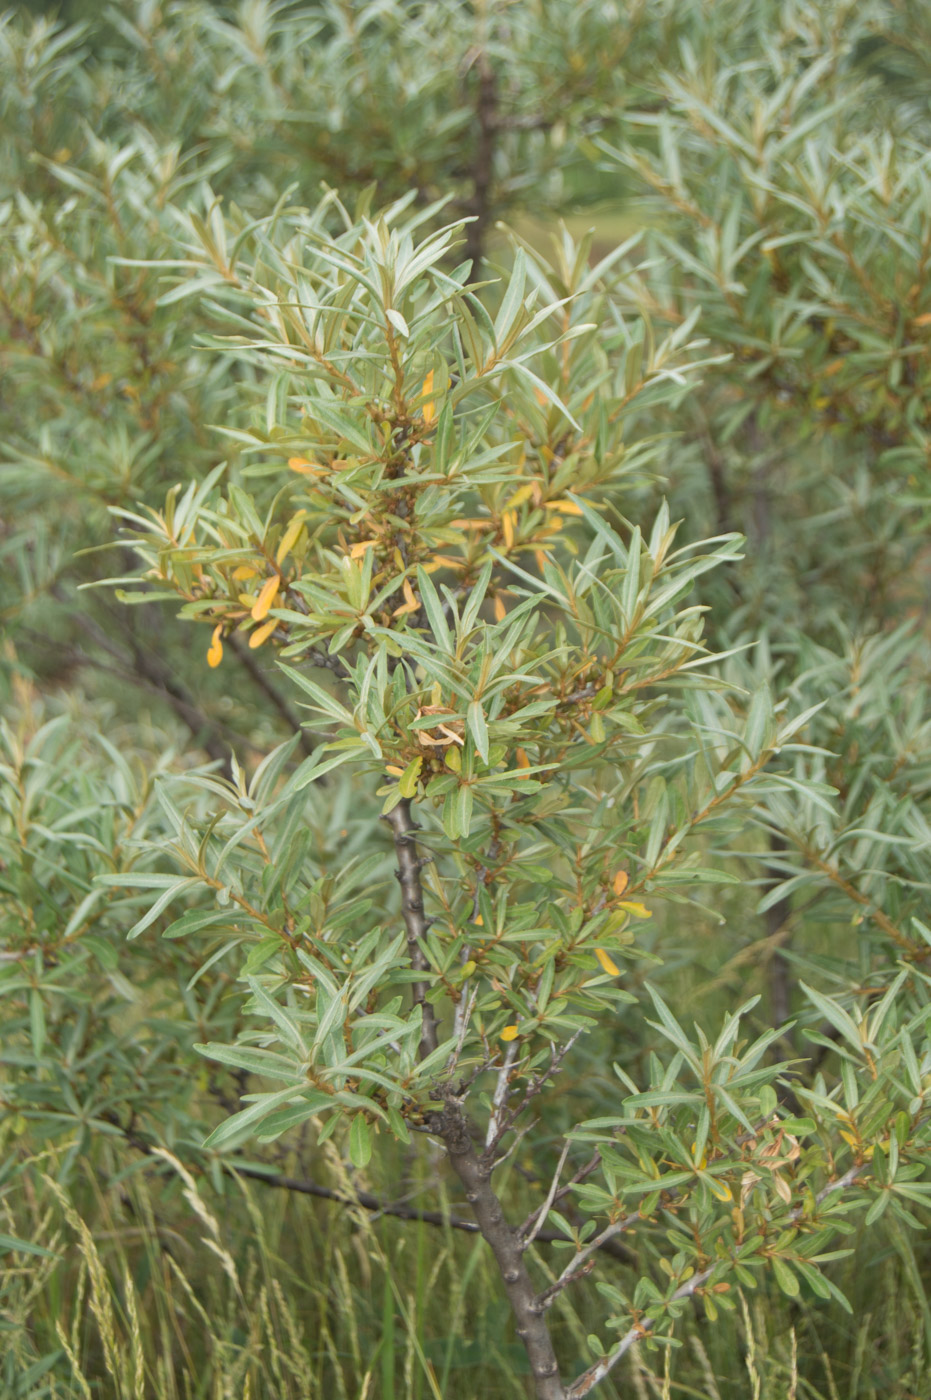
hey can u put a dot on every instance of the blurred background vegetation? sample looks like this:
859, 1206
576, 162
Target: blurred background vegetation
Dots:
769, 158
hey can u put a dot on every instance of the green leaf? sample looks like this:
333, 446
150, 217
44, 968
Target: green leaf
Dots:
239, 1122
785, 1278
478, 729
837, 1017
434, 609
360, 1141
407, 783
160, 904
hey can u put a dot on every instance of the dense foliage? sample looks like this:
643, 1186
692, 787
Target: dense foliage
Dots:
465, 754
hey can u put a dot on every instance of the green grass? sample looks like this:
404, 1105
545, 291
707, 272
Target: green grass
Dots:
158, 1287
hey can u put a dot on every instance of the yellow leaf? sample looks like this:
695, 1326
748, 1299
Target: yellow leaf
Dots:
429, 408
507, 526
563, 506
244, 571
607, 963
289, 537
523, 493
639, 911
479, 920
261, 634
923, 320
510, 1033
215, 650
265, 599
621, 881
522, 760
394, 769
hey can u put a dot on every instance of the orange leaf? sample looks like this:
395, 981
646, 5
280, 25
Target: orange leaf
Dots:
215, 650
500, 610
411, 604
261, 634
358, 549
265, 599
607, 963
923, 320
303, 466
621, 881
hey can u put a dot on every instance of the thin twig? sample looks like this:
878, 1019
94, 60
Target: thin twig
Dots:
500, 1096
550, 1197
533, 1089
463, 1015
581, 1175
578, 1267
408, 873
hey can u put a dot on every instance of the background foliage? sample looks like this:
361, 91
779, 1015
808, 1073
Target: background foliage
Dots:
757, 179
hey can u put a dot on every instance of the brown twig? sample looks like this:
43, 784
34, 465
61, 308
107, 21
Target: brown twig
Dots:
304, 1186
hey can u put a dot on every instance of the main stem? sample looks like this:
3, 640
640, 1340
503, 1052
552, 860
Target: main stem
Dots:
474, 1172
454, 1128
